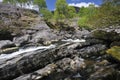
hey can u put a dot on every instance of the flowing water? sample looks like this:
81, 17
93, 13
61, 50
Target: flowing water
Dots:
21, 51
31, 49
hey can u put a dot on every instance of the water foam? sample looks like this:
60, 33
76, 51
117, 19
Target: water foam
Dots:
76, 40
21, 51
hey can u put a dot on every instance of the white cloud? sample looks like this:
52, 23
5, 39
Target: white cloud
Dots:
0, 0
82, 4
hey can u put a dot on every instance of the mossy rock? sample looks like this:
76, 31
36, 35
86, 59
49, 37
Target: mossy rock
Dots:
114, 52
8, 50
104, 35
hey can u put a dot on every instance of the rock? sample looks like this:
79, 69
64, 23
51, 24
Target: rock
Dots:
43, 37
8, 50
91, 52
40, 26
79, 34
114, 52
39, 74
5, 34
6, 44
30, 61
115, 43
20, 41
101, 73
107, 34
60, 67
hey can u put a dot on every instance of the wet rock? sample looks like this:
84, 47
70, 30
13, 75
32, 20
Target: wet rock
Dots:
8, 50
39, 74
92, 51
115, 75
101, 73
66, 68
6, 44
115, 43
32, 61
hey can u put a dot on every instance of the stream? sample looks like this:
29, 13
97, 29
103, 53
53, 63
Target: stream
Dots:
67, 59
32, 49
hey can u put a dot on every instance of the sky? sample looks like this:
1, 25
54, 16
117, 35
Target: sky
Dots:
78, 3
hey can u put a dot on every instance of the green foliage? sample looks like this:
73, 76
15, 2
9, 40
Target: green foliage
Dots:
71, 12
46, 14
41, 3
63, 11
85, 15
107, 15
114, 52
83, 22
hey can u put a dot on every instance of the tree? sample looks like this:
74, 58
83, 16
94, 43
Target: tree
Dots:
41, 4
113, 2
46, 14
108, 14
61, 9
71, 12
86, 14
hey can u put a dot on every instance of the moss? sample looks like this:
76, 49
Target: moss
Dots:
114, 52
104, 35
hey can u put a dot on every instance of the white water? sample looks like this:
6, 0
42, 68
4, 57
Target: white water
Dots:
21, 51
31, 49
76, 40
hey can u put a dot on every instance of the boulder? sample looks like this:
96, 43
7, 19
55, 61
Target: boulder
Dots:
6, 44
107, 34
22, 40
44, 37
57, 70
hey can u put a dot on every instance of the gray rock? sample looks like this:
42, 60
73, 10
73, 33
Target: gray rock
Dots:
20, 41
107, 34
115, 43
28, 62
6, 44
39, 74
43, 37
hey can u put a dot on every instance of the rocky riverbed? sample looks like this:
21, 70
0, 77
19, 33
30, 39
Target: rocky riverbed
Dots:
41, 53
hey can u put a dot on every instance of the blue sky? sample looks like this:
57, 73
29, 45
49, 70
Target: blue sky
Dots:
51, 3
